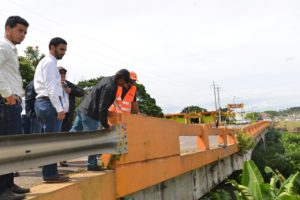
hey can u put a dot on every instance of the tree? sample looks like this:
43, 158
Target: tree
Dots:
88, 84
189, 109
271, 154
28, 63
147, 104
291, 143
253, 116
272, 113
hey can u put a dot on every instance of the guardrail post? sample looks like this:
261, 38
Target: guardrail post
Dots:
230, 136
222, 137
202, 140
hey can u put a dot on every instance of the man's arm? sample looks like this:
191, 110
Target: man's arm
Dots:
106, 99
75, 90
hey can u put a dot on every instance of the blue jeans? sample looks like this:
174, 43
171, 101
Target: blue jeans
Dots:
10, 124
47, 116
85, 123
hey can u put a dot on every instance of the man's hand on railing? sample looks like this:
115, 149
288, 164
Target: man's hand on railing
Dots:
108, 129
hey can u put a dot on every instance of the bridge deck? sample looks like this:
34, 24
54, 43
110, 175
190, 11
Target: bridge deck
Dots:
153, 146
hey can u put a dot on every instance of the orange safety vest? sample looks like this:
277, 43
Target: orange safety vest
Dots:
123, 106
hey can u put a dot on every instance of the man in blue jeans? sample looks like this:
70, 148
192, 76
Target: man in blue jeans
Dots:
11, 90
93, 110
49, 105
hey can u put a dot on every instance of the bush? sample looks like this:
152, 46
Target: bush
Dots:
245, 142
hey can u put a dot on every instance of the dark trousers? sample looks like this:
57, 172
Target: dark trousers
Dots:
10, 124
25, 124
66, 124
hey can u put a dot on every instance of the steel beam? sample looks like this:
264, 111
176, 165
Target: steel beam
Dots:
19, 152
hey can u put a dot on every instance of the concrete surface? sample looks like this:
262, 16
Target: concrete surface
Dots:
33, 177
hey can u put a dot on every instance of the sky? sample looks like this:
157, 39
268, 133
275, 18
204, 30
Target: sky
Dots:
178, 48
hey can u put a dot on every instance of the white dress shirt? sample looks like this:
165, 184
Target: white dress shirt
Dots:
47, 82
66, 99
10, 77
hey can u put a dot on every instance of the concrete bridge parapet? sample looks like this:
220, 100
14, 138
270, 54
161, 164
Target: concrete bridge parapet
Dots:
155, 168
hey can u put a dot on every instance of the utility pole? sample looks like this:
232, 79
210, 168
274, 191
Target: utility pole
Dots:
215, 96
233, 99
216, 121
219, 104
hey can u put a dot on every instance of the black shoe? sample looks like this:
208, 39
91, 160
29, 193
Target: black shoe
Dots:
64, 164
9, 195
16, 174
95, 168
19, 190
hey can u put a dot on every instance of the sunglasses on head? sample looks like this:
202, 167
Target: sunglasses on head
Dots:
62, 72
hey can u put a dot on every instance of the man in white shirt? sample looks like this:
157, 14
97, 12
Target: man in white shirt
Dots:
11, 89
49, 105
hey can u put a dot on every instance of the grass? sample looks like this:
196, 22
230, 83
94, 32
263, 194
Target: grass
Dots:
288, 125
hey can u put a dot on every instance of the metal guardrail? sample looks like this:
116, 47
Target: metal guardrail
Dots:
19, 152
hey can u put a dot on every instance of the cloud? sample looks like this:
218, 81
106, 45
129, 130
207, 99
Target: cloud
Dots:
291, 58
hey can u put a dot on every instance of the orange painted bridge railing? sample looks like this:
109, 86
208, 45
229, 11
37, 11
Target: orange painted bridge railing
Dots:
154, 150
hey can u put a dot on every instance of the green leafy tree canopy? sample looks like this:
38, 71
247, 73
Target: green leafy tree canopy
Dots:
28, 63
189, 109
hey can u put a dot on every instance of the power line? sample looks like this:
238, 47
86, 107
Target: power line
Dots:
149, 72
72, 30
94, 40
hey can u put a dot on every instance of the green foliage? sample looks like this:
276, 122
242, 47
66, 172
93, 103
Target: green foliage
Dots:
276, 178
253, 187
189, 109
218, 195
288, 111
291, 185
147, 104
271, 153
245, 142
28, 63
272, 113
88, 84
291, 143
253, 116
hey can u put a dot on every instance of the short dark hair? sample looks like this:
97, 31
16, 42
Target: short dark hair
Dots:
56, 41
123, 74
12, 21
